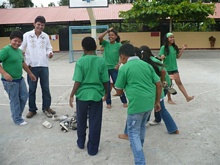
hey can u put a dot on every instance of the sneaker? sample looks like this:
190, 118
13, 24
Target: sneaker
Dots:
23, 123
47, 113
64, 126
51, 111
152, 123
123, 136
31, 114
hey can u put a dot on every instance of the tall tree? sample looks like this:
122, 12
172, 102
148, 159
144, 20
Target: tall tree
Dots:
51, 4
3, 5
21, 3
157, 11
64, 3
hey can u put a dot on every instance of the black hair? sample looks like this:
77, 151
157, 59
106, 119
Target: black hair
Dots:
166, 46
40, 19
16, 33
137, 52
127, 50
116, 33
146, 54
89, 44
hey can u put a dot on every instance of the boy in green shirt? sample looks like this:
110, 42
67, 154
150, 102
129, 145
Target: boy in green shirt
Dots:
91, 78
143, 90
12, 61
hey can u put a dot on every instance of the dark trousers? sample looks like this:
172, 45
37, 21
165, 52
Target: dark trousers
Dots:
94, 110
41, 73
114, 73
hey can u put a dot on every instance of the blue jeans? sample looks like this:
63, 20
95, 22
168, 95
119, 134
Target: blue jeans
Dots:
94, 110
41, 73
114, 73
167, 118
18, 95
136, 127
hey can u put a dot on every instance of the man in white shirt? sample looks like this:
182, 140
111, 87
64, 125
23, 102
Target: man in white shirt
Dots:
38, 50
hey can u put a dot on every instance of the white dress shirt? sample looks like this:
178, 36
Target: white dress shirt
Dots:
36, 49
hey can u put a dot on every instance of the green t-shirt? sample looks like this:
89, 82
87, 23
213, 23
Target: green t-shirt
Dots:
12, 61
138, 79
111, 53
170, 60
91, 72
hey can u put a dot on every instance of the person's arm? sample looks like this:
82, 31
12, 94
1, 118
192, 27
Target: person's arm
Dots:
31, 75
105, 84
49, 48
181, 51
101, 36
75, 88
158, 95
5, 74
163, 75
24, 44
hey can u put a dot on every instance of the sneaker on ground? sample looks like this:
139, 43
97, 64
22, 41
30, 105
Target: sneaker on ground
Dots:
51, 111
48, 114
152, 123
23, 123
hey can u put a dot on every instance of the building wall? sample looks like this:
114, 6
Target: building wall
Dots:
194, 40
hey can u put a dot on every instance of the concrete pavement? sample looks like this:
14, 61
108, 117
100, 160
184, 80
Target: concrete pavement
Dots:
198, 121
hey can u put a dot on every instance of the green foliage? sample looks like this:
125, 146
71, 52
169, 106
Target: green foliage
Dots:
21, 3
64, 3
51, 4
152, 13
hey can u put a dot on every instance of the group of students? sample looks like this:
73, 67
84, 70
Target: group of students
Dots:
35, 46
139, 80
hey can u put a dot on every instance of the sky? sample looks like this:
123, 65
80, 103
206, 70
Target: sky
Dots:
38, 2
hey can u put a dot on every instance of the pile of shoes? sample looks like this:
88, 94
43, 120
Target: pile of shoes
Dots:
68, 123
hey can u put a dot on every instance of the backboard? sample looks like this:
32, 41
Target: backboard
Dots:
88, 3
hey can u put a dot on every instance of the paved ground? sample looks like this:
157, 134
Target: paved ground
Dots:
198, 121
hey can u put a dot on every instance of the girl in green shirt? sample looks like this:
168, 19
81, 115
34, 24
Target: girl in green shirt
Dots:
169, 52
111, 57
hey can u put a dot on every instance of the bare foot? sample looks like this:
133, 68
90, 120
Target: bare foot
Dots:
123, 136
109, 106
190, 98
171, 102
125, 105
176, 132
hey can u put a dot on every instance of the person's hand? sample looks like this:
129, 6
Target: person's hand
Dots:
110, 29
162, 57
117, 66
104, 98
32, 77
164, 83
7, 76
157, 107
184, 46
71, 102
50, 55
